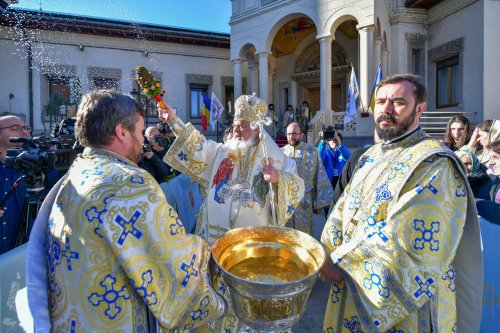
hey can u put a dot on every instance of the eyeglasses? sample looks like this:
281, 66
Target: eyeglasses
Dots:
17, 128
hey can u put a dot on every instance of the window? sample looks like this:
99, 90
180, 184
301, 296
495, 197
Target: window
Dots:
59, 85
447, 82
196, 93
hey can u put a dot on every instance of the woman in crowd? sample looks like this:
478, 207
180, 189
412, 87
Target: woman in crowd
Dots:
458, 132
485, 133
486, 189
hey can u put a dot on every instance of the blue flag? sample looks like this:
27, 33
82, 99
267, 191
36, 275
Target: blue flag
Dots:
352, 99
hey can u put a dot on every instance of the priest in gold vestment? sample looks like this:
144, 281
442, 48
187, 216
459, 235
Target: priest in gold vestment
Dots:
318, 191
403, 238
116, 251
248, 181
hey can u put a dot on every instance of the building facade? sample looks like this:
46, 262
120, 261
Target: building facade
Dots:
286, 51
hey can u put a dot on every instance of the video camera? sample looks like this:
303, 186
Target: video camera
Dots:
39, 154
329, 133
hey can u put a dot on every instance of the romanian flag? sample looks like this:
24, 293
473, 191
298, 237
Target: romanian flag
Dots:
205, 112
378, 78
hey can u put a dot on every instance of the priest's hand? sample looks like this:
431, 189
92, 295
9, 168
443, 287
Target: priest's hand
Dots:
330, 273
167, 114
270, 174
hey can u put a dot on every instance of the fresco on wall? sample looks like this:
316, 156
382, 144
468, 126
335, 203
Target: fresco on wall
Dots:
291, 34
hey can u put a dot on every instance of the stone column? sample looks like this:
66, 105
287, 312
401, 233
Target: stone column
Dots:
238, 81
263, 76
325, 79
254, 78
366, 68
270, 80
385, 62
377, 52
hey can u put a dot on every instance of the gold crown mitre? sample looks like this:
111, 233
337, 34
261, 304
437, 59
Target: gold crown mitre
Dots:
250, 108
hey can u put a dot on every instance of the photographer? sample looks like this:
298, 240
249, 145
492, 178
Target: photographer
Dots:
154, 150
10, 222
333, 153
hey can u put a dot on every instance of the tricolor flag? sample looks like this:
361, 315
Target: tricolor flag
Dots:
378, 78
352, 98
205, 112
216, 110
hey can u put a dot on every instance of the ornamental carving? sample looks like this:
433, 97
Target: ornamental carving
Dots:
446, 50
101, 72
199, 79
59, 70
309, 59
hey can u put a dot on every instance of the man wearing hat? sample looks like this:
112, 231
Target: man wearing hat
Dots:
247, 181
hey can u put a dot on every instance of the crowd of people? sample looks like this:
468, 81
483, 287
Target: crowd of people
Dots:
122, 241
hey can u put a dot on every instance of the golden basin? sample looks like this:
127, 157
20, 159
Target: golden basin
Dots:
270, 272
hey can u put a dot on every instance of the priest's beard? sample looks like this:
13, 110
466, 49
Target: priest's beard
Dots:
392, 132
235, 145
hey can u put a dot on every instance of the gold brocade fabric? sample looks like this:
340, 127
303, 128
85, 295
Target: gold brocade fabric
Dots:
394, 233
318, 191
117, 250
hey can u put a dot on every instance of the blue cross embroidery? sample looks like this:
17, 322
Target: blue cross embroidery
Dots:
427, 235
336, 235
182, 156
353, 325
55, 290
142, 290
364, 160
110, 296
423, 287
190, 270
374, 227
382, 193
54, 255
450, 275
73, 326
335, 293
128, 227
401, 167
376, 280
68, 254
137, 179
177, 227
93, 213
290, 209
422, 187
394, 330
460, 191
96, 171
355, 201
201, 313
221, 287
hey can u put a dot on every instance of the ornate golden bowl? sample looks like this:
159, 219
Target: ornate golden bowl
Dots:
270, 272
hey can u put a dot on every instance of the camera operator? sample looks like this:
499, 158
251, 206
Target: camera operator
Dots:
10, 222
333, 153
154, 150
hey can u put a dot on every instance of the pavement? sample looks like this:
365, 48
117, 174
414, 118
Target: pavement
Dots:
312, 320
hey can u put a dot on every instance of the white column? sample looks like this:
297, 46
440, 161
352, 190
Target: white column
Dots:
385, 62
254, 78
377, 52
238, 81
325, 78
366, 71
270, 80
263, 76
